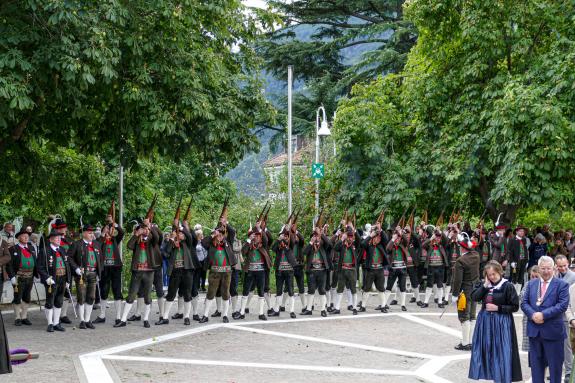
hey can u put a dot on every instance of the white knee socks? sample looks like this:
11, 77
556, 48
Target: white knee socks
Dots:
49, 315
147, 309
465, 326
187, 309
127, 307
225, 309
167, 307
207, 304
428, 292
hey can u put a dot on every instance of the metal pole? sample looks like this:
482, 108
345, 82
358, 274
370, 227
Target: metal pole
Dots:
121, 221
289, 149
333, 138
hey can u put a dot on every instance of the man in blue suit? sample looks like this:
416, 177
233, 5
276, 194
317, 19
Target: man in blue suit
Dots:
545, 301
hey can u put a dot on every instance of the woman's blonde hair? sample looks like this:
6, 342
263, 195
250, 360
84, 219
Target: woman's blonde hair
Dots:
496, 266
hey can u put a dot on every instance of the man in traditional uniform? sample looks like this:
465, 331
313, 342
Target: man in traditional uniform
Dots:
348, 250
517, 257
142, 243
398, 254
453, 253
318, 264
21, 271
465, 276
256, 261
435, 264
221, 259
180, 270
56, 275
498, 241
66, 241
85, 259
413, 249
374, 264
110, 242
284, 265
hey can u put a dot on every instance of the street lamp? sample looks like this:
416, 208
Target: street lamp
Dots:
321, 130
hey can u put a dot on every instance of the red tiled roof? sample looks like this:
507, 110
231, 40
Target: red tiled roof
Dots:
298, 158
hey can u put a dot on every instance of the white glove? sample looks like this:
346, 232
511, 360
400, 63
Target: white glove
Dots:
115, 225
97, 279
49, 281
78, 271
513, 265
67, 285
13, 281
454, 299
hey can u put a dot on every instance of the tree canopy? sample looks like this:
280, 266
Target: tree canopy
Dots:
485, 107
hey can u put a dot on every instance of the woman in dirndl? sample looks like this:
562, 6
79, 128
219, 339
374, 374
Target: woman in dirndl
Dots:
495, 351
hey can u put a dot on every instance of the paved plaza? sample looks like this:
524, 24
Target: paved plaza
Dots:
413, 346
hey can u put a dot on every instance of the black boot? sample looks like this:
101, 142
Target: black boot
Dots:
203, 319
134, 318
217, 314
178, 316
50, 328
100, 320
225, 319
292, 315
146, 324
186, 321
162, 321
262, 317
323, 313
59, 327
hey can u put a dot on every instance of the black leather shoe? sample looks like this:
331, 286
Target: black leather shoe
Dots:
196, 317
323, 313
225, 320
59, 327
306, 312
186, 321
350, 308
50, 328
335, 312
403, 308
384, 310
121, 324
203, 319
292, 315
162, 321
247, 310
378, 308
393, 302
330, 309
412, 300
274, 314
26, 322
436, 300
262, 317
146, 324
18, 322
441, 305
282, 308
82, 325
134, 318
217, 314
117, 321
100, 320
420, 303
236, 315
65, 320
460, 347
270, 312
354, 312
361, 309
90, 325
178, 316
424, 305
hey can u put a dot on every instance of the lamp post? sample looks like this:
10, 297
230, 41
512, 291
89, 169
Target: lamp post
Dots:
320, 130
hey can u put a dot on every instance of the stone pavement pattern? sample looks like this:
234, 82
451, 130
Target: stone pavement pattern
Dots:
416, 346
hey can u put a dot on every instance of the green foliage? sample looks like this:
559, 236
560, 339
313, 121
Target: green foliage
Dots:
167, 77
486, 102
538, 218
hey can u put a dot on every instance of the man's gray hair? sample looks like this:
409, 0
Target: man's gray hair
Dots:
546, 259
560, 257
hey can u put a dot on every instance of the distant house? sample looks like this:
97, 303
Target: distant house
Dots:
301, 157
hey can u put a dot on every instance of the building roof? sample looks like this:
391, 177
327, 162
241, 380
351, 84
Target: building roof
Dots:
298, 158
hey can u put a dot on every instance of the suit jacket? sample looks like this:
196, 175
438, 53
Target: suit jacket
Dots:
4, 256
514, 248
78, 255
324, 249
553, 306
498, 247
370, 251
47, 263
13, 267
288, 252
151, 243
340, 249
208, 244
187, 244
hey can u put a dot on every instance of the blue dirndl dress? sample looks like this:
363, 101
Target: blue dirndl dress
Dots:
495, 354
